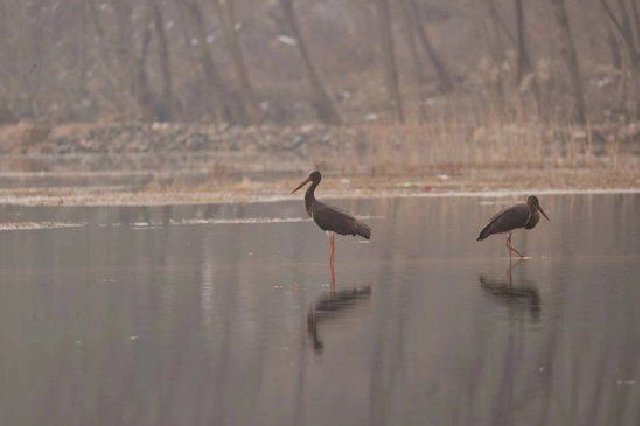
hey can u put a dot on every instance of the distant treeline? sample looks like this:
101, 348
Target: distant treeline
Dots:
249, 62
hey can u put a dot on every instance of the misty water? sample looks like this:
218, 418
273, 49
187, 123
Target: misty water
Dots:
216, 315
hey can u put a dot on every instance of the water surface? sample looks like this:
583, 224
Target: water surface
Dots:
214, 315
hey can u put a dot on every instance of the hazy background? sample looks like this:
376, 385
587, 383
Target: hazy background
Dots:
331, 61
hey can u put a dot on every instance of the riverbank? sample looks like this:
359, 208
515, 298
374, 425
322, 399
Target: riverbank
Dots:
151, 164
248, 190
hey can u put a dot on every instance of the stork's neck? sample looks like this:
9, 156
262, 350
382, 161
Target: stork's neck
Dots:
310, 198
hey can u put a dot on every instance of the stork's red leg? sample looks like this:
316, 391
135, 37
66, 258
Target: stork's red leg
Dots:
516, 251
332, 252
511, 248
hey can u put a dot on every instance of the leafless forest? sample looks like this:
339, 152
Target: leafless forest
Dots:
249, 62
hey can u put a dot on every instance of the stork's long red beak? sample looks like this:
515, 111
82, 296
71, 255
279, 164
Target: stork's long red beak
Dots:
304, 182
544, 214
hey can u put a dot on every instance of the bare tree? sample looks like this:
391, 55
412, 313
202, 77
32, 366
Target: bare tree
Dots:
143, 91
571, 59
418, 69
166, 107
495, 75
189, 59
439, 66
636, 19
524, 62
389, 61
124, 38
498, 21
614, 46
625, 21
225, 11
325, 110
213, 81
123, 88
623, 28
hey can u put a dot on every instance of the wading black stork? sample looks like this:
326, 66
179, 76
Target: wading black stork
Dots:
330, 219
520, 216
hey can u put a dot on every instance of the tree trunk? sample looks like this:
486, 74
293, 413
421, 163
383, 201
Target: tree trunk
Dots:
11, 59
121, 90
496, 51
125, 55
37, 53
636, 20
82, 81
624, 32
213, 81
498, 21
389, 59
325, 110
224, 10
441, 70
143, 91
616, 55
421, 79
625, 23
165, 111
524, 63
571, 59
629, 42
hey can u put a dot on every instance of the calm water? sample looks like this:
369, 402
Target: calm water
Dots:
194, 321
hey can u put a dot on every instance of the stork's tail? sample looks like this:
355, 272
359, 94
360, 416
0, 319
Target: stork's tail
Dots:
363, 230
484, 233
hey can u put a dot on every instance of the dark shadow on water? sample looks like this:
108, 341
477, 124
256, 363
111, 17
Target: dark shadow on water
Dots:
519, 294
328, 306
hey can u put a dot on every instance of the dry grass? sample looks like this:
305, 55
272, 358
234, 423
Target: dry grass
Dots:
419, 149
483, 153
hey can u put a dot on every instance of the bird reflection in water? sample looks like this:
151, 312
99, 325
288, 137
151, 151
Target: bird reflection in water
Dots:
504, 290
329, 305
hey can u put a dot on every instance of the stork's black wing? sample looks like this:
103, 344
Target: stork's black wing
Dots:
507, 220
332, 219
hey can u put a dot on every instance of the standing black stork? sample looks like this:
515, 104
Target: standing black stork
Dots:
520, 216
330, 219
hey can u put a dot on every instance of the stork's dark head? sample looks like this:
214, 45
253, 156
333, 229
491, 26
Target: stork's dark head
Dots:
314, 177
533, 203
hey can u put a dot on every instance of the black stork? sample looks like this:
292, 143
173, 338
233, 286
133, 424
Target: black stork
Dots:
330, 219
520, 216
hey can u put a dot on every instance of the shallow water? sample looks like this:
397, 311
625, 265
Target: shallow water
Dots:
214, 315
